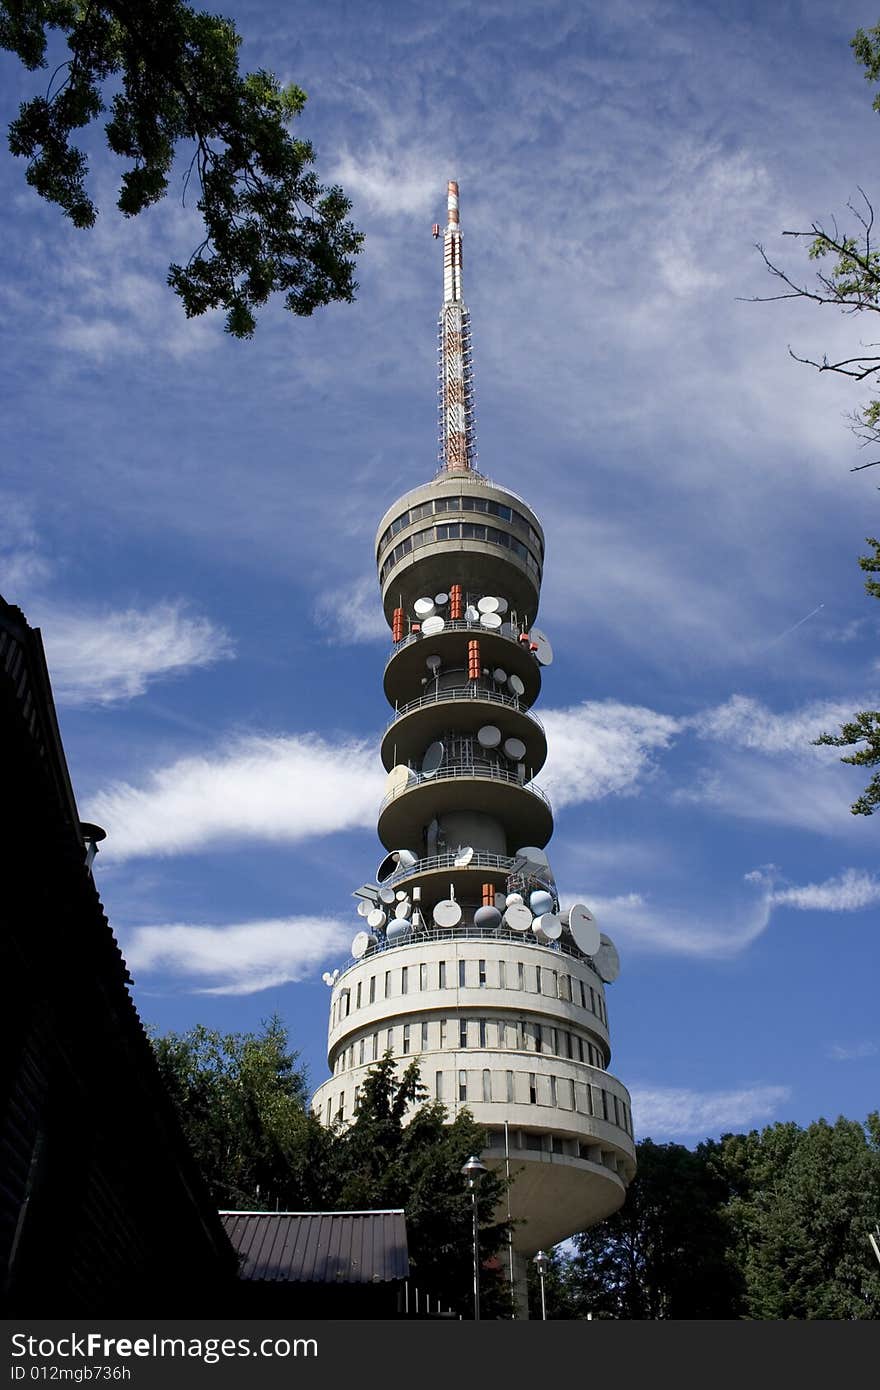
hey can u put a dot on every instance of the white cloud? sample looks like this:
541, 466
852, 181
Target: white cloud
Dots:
352, 613
273, 788
744, 722
238, 959
839, 1052
99, 658
854, 889
601, 747
670, 1112
389, 182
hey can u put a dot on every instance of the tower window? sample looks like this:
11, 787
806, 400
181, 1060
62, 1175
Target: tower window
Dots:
404, 979
361, 1051
461, 974
441, 969
521, 975
438, 1085
482, 1032
387, 984
583, 994
406, 1030
357, 1002
389, 1040
565, 988
423, 976
502, 975
508, 1076
372, 989
462, 1032
538, 978
533, 1089
462, 1085
424, 1037
482, 974
552, 1090
443, 1032
487, 1085
554, 978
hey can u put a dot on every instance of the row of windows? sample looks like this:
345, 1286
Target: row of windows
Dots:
471, 974
511, 1034
454, 531
518, 1088
463, 504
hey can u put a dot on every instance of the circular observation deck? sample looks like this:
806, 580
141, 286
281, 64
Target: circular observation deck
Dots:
499, 649
467, 709
522, 809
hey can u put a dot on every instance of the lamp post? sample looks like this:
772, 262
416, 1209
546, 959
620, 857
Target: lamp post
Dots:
473, 1171
542, 1261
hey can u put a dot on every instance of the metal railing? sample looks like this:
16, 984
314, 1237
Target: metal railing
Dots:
487, 772
429, 863
453, 625
463, 692
426, 934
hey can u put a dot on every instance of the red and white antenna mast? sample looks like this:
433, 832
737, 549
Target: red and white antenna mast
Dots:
457, 438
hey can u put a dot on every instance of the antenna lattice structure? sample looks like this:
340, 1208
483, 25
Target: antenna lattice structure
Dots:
456, 394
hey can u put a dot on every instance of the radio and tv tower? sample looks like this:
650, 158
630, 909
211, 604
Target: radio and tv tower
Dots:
467, 958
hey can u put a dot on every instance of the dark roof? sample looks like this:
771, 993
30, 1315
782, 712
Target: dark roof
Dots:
320, 1247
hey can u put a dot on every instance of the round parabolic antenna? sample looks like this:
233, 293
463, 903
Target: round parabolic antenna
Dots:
516, 685
364, 908
544, 654
433, 663
376, 919
502, 606
397, 931
501, 901
398, 779
387, 896
584, 929
532, 854
517, 917
499, 676
402, 909
488, 604
431, 626
540, 902
489, 736
507, 630
515, 749
487, 917
471, 614
447, 913
432, 760
606, 959
423, 607
441, 600
547, 927
491, 621
387, 867
361, 944
464, 857
406, 858
514, 899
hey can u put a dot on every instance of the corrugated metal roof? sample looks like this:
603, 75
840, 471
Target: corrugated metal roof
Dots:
320, 1247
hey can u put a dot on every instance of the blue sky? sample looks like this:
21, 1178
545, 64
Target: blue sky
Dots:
190, 521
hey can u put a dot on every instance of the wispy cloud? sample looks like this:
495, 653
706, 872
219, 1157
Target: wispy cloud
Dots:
852, 890
601, 747
855, 1052
352, 613
274, 788
103, 657
670, 1112
747, 723
241, 958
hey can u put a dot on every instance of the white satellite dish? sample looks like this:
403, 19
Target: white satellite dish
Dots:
489, 918
502, 606
397, 931
516, 685
433, 663
541, 902
377, 919
489, 604
515, 749
364, 908
464, 856
402, 909
517, 917
361, 944
606, 960
400, 895
471, 614
431, 626
386, 896
447, 913
532, 854
584, 928
423, 608
547, 928
544, 654
514, 899
441, 600
501, 901
490, 620
327, 977
499, 676
489, 736
398, 779
432, 760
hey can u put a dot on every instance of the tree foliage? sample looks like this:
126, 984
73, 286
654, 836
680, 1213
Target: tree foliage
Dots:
863, 730
169, 76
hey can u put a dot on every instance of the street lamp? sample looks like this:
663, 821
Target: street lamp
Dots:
542, 1261
474, 1172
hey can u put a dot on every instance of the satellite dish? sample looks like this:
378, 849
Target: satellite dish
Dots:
487, 917
532, 854
400, 895
398, 779
464, 857
584, 929
431, 626
547, 928
407, 858
516, 685
433, 663
471, 614
606, 960
423, 608
398, 931
517, 917
544, 654
502, 606
361, 944
441, 600
499, 676
402, 909
514, 899
363, 908
507, 630
447, 913
489, 604
387, 896
501, 901
541, 902
327, 977
490, 620
489, 736
515, 749
377, 919
432, 760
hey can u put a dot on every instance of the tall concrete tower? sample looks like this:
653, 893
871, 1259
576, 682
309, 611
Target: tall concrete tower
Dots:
466, 958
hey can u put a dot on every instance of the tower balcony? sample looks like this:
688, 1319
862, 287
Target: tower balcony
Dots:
521, 808
467, 708
499, 649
